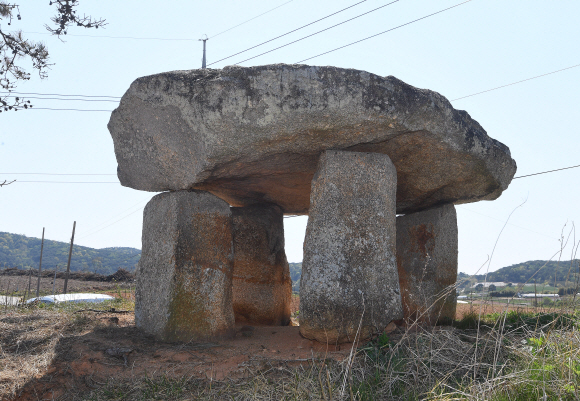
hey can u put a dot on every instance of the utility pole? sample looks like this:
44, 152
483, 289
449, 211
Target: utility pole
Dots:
40, 264
69, 256
203, 59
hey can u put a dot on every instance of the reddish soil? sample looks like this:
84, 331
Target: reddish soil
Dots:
95, 354
83, 361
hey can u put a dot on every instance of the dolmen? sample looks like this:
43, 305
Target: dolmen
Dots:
375, 163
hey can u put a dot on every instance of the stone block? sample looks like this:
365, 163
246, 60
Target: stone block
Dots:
184, 279
349, 271
427, 264
262, 288
254, 134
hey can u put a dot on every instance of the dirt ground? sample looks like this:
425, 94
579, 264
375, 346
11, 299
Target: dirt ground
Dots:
108, 345
83, 350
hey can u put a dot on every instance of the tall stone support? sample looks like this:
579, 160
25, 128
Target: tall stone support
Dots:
184, 279
427, 264
349, 271
262, 288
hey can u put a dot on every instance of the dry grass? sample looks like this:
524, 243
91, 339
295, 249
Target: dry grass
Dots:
28, 344
29, 339
510, 356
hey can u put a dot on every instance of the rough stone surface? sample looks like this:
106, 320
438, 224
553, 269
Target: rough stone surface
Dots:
349, 270
254, 135
262, 287
427, 264
184, 278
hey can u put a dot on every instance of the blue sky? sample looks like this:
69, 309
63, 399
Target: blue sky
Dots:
476, 46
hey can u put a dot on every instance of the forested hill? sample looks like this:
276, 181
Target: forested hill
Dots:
545, 271
21, 251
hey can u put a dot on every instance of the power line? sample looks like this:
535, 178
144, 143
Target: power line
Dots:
513, 83
48, 108
114, 217
165, 39
51, 174
111, 37
546, 172
381, 33
251, 19
70, 100
287, 33
72, 182
462, 207
316, 33
116, 182
115, 222
56, 94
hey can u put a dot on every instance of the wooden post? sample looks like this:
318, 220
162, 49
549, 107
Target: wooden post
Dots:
27, 293
54, 280
69, 256
40, 264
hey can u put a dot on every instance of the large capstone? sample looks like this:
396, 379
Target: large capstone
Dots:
254, 135
427, 264
262, 288
184, 279
349, 280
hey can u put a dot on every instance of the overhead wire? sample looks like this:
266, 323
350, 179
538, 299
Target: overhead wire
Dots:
545, 172
289, 32
381, 33
58, 94
462, 207
166, 39
517, 82
323, 30
459, 98
116, 182
69, 99
49, 108
70, 182
99, 226
112, 37
251, 19
115, 222
55, 174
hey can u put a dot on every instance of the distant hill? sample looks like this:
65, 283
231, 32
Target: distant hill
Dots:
542, 271
295, 272
545, 272
22, 251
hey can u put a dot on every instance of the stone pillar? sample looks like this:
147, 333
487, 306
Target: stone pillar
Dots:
184, 279
349, 269
262, 288
427, 264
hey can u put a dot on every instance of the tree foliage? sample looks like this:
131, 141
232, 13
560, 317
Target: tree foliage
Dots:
295, 273
540, 270
24, 252
16, 50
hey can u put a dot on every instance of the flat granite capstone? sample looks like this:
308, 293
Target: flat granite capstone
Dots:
254, 135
